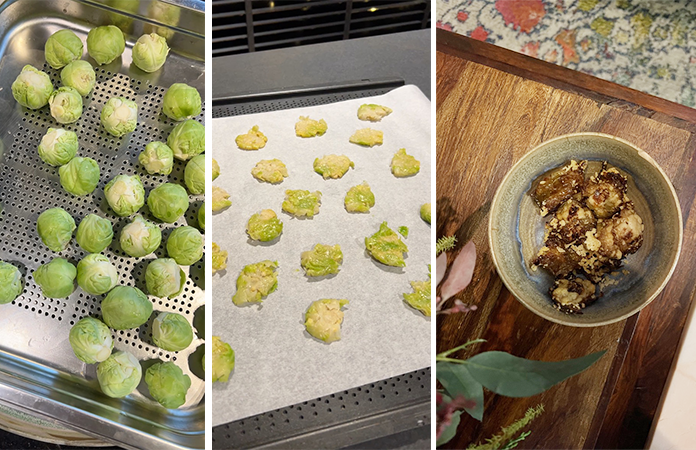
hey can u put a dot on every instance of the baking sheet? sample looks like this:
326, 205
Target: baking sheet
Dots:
277, 362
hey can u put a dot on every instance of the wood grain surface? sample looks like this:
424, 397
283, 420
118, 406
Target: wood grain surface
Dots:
487, 118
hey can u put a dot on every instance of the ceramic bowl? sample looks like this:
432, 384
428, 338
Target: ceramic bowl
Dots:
516, 229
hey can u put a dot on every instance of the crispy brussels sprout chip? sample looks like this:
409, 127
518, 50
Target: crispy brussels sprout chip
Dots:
66, 104
168, 202
270, 170
332, 166
91, 340
194, 175
80, 76
104, 44
386, 247
360, 198
322, 260
181, 102
420, 298
264, 226
56, 279
119, 374
167, 384
79, 176
10, 282
367, 137
119, 116
373, 113
164, 278
219, 258
216, 169
185, 245
157, 158
323, 319
187, 140
55, 227
96, 275
201, 216
425, 212
252, 140
223, 360
256, 282
126, 307
150, 52
404, 165
32, 88
306, 127
171, 332
302, 203
125, 194
63, 47
94, 234
58, 146
140, 237
220, 199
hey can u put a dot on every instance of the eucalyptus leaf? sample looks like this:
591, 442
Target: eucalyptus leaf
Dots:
512, 376
457, 380
451, 430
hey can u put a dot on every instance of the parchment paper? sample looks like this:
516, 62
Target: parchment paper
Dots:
277, 362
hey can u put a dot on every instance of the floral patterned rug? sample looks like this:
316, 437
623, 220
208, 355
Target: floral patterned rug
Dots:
648, 45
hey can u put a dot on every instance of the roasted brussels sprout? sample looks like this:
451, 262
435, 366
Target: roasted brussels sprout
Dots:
404, 165
171, 332
164, 278
62, 48
119, 116
219, 258
105, 44
252, 140
119, 374
157, 158
323, 319
332, 166
264, 226
58, 146
367, 137
56, 279
373, 113
322, 260
181, 102
10, 282
420, 298
168, 202
140, 237
167, 384
32, 88
91, 340
302, 203
359, 198
94, 234
255, 282
150, 52
220, 199
79, 176
425, 212
386, 247
80, 76
55, 227
125, 194
223, 360
270, 170
187, 140
216, 169
96, 275
126, 307
306, 127
185, 245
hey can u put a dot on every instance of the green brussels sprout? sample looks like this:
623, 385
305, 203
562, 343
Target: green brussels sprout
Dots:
119, 374
96, 275
63, 47
94, 233
216, 169
220, 199
58, 146
302, 203
359, 198
194, 175
255, 282
372, 112
403, 230
56, 279
425, 212
168, 202
404, 165
126, 307
332, 166
140, 237
10, 282
306, 127
264, 226
181, 101
201, 216
150, 52
55, 227
187, 140
321, 260
79, 176
185, 245
125, 194
386, 246
219, 259
80, 76
91, 340
32, 88
223, 360
367, 137
323, 319
119, 116
270, 170
66, 104
164, 278
167, 384
420, 298
157, 158
171, 332
104, 44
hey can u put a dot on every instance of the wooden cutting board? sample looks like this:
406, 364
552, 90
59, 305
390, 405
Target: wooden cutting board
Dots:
493, 106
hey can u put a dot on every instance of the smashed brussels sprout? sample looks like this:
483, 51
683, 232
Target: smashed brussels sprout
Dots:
63, 47
403, 231
270, 170
323, 319
255, 282
119, 374
220, 199
386, 247
168, 202
56, 279
359, 198
223, 360
157, 158
119, 116
367, 137
58, 146
373, 113
96, 275
252, 140
216, 169
80, 76
167, 384
164, 278
322, 260
404, 165
66, 104
104, 44
125, 194
55, 227
10, 282
420, 298
79, 176
194, 175
201, 216
187, 140
91, 340
140, 237
306, 127
185, 245
94, 233
126, 307
32, 88
302, 203
181, 102
425, 212
171, 332
150, 52
264, 226
332, 166
219, 258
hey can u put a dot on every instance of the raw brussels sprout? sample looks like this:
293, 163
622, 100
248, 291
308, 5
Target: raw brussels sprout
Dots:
322, 260
425, 212
216, 169
332, 166
323, 319
168, 202
91, 340
420, 298
66, 104
119, 116
373, 113
220, 199
219, 258
264, 226
140, 237
104, 44
404, 165
94, 233
223, 360
96, 275
125, 194
252, 140
63, 47
185, 245
32, 88
367, 137
194, 175
10, 282
80, 76
171, 332
79, 176
201, 216
386, 246
187, 140
307, 127
56, 279
164, 278
126, 307
181, 101
150, 52
359, 198
270, 170
119, 374
301, 203
167, 384
55, 227
58, 146
255, 282
157, 158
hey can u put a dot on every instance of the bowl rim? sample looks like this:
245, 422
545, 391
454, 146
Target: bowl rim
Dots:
508, 284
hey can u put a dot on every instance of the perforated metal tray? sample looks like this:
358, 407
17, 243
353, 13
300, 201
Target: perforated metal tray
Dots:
38, 371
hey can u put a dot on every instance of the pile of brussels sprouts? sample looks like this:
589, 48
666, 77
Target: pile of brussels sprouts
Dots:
124, 307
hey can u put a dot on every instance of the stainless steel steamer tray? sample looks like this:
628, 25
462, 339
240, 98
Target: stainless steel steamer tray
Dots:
38, 371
